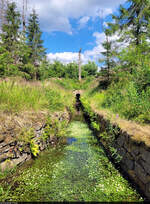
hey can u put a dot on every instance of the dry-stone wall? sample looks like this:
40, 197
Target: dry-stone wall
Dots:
14, 153
135, 156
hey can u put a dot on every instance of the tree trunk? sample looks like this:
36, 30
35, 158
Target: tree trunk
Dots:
108, 63
80, 64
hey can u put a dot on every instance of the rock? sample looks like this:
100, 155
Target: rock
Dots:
121, 140
6, 165
129, 163
141, 174
147, 191
41, 147
145, 166
3, 144
2, 138
126, 145
26, 149
20, 160
20, 144
4, 149
145, 155
14, 143
121, 151
38, 134
8, 155
16, 153
28, 157
38, 128
134, 151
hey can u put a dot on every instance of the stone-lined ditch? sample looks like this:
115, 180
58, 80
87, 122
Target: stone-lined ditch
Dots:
78, 171
128, 155
14, 152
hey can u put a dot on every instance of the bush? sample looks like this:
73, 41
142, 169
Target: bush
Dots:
128, 101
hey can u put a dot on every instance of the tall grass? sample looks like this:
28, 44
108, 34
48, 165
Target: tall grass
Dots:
123, 98
74, 84
15, 97
128, 101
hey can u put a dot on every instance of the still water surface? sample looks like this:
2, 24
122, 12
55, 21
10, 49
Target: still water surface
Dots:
78, 171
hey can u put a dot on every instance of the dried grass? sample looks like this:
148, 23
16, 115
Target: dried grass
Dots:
138, 132
12, 124
24, 105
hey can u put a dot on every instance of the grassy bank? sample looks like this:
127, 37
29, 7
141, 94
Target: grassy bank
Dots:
24, 106
35, 96
121, 98
119, 109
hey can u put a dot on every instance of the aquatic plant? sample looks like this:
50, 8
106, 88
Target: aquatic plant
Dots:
80, 171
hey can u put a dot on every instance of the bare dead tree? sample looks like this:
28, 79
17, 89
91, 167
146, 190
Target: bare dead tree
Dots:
102, 19
2, 13
24, 12
3, 10
26, 7
23, 16
80, 64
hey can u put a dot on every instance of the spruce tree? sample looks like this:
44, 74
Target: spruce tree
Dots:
10, 39
10, 30
34, 41
109, 55
133, 20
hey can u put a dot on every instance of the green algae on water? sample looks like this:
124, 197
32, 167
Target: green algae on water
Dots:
80, 171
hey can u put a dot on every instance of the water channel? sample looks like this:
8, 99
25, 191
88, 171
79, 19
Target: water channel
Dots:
76, 171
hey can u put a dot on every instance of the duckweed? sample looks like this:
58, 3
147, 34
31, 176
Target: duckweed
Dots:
78, 171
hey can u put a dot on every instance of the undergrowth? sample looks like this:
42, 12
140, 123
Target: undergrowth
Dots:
15, 97
109, 136
128, 101
73, 84
122, 98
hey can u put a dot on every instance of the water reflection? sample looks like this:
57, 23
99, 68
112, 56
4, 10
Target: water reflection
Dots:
70, 140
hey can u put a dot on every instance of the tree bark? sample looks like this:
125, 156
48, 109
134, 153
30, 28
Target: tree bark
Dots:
80, 64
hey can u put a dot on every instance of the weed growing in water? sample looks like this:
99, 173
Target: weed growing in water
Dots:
54, 128
109, 135
79, 172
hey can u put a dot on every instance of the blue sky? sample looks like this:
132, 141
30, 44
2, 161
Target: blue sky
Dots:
68, 25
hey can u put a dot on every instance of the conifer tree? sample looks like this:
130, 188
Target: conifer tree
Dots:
10, 30
34, 41
108, 59
133, 20
10, 39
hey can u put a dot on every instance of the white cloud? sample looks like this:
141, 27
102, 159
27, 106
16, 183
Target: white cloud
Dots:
66, 57
55, 15
94, 54
88, 55
61, 25
83, 21
100, 37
